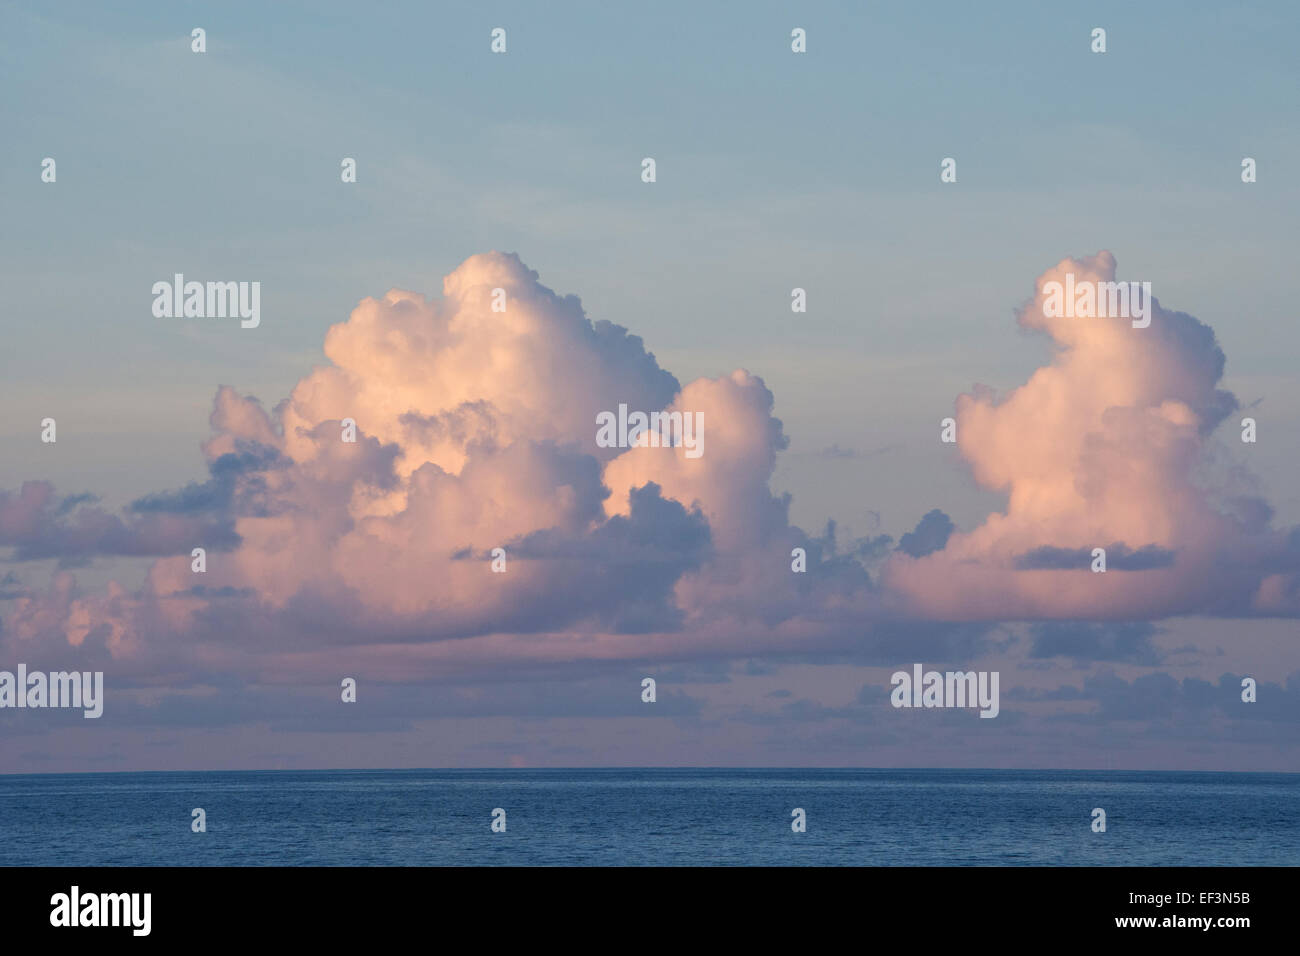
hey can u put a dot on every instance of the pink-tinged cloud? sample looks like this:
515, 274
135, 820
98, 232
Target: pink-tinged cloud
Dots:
476, 429
1107, 446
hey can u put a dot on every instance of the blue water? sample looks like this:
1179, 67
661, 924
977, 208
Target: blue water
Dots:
665, 817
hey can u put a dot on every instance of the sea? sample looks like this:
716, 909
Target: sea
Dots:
650, 817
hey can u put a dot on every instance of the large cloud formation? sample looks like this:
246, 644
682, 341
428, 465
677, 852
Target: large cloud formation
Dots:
476, 430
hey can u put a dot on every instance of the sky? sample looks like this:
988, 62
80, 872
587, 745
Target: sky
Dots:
476, 429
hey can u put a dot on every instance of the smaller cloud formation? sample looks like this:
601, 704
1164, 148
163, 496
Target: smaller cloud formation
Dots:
1118, 556
929, 535
1187, 709
38, 524
1107, 446
1121, 642
835, 452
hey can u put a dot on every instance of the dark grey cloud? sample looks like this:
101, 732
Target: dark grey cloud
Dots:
40, 525
379, 706
1119, 557
1186, 709
1127, 642
930, 535
217, 495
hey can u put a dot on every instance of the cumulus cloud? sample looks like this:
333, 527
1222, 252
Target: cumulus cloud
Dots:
1104, 447
476, 430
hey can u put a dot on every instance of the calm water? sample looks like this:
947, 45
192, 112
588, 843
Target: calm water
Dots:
668, 817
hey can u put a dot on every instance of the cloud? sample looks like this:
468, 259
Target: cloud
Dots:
1129, 642
836, 452
1108, 445
39, 525
11, 587
476, 430
1189, 708
930, 534
1118, 558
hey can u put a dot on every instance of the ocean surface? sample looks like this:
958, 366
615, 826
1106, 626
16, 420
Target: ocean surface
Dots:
651, 817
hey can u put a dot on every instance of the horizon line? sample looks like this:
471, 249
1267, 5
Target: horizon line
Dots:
104, 773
